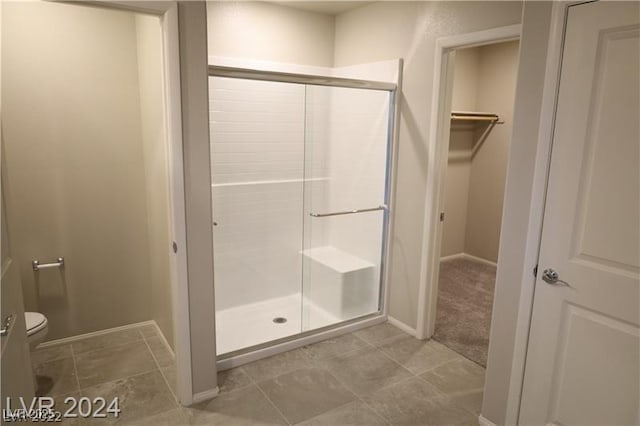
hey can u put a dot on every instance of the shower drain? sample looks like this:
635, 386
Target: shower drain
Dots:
279, 320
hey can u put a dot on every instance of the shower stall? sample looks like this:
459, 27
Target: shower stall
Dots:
300, 181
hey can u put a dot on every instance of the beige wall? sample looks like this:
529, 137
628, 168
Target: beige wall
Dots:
461, 138
456, 193
269, 32
192, 24
4, 235
521, 223
484, 80
496, 90
154, 145
389, 30
466, 79
4, 239
75, 164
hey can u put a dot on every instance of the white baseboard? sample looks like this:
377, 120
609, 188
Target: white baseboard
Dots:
72, 339
402, 326
452, 257
480, 260
205, 395
164, 339
482, 421
469, 257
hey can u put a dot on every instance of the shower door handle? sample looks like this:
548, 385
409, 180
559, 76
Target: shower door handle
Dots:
373, 209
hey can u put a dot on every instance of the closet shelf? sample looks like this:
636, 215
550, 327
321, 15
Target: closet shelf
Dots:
475, 116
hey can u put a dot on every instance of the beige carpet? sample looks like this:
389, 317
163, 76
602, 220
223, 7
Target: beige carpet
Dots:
465, 299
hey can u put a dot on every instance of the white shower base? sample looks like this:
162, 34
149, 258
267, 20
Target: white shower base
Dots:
249, 325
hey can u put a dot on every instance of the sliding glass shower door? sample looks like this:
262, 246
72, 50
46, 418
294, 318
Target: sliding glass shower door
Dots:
289, 165
345, 189
257, 170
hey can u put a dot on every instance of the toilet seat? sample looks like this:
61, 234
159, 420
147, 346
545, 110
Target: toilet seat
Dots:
35, 322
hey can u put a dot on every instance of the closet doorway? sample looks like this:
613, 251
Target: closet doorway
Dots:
473, 191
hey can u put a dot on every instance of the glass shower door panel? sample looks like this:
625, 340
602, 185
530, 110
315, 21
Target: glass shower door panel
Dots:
257, 157
344, 203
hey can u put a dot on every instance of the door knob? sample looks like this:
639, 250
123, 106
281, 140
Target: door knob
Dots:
551, 276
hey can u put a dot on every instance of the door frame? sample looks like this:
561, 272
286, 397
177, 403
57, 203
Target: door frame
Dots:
167, 11
438, 147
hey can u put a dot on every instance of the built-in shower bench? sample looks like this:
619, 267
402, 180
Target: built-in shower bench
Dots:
339, 282
336, 259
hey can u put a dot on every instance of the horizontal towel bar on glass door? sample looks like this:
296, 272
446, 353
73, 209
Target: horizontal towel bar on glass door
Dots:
37, 265
373, 209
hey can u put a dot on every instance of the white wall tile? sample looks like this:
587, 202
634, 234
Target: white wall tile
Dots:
272, 165
257, 136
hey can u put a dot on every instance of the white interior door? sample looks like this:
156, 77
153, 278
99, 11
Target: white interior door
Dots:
584, 354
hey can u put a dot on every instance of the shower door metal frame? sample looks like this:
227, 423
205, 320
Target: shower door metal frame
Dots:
255, 352
285, 77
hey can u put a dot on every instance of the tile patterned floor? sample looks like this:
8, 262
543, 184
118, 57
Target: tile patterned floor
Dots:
375, 376
133, 365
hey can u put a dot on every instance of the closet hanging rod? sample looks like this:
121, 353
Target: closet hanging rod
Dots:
474, 116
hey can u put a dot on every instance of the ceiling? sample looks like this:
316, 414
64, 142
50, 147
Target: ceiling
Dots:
325, 7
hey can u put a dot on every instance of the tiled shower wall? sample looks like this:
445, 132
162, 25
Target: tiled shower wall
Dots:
267, 139
358, 143
257, 155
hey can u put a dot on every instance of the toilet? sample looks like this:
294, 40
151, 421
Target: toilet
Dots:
37, 328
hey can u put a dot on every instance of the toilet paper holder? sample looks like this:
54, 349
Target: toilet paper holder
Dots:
58, 264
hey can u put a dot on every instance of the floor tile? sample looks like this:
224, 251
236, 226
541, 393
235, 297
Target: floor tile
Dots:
366, 370
160, 351
415, 402
233, 379
277, 365
106, 341
113, 363
149, 330
336, 346
247, 406
138, 396
51, 353
62, 406
313, 385
173, 417
471, 401
305, 393
56, 377
170, 375
460, 375
353, 414
416, 355
379, 333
